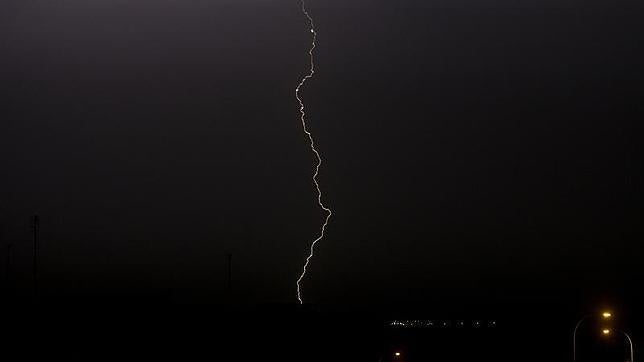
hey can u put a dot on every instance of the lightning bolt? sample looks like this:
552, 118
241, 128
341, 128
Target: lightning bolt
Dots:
315, 151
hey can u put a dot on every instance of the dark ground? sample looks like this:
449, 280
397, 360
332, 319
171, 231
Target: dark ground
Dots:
140, 328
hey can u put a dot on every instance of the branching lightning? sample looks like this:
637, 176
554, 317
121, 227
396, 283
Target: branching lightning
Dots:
315, 151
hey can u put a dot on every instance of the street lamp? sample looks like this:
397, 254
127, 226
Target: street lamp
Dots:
628, 338
630, 343
605, 315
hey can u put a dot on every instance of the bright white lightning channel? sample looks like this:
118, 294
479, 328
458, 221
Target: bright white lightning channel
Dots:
315, 151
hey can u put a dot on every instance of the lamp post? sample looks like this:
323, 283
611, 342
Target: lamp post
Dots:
574, 337
607, 331
604, 315
630, 343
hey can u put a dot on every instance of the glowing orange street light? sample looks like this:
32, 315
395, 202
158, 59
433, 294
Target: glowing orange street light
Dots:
607, 331
605, 315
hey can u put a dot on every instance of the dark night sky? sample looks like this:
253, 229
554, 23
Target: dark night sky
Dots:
471, 148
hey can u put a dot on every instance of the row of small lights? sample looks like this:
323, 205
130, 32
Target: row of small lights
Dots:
421, 323
430, 323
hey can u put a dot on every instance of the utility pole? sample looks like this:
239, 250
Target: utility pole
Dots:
229, 258
7, 275
36, 231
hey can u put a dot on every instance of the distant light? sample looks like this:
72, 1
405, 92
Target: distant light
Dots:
606, 331
397, 354
607, 315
